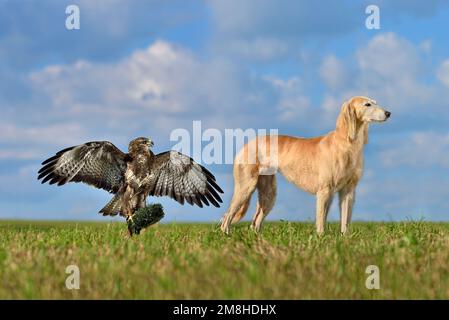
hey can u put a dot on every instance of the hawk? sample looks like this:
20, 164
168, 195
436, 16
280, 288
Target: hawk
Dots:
133, 176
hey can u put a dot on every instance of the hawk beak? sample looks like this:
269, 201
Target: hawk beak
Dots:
150, 143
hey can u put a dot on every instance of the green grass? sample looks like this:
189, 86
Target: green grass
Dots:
195, 261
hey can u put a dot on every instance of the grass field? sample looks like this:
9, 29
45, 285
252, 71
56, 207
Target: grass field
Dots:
195, 261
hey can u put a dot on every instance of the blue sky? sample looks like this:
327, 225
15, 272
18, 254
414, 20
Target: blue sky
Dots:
144, 68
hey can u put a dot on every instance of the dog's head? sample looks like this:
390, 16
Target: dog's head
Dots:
359, 110
367, 110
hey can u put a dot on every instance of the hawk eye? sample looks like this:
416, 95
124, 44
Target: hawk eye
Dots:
368, 104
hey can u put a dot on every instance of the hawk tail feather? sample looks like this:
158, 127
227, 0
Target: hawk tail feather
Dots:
114, 207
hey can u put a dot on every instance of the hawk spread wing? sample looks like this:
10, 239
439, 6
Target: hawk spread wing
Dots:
181, 178
100, 164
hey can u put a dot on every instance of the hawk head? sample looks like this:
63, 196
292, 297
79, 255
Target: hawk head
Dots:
140, 144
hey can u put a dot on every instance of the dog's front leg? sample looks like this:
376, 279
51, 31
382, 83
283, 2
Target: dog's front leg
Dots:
346, 196
323, 203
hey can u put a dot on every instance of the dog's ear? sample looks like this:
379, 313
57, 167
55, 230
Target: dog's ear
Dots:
349, 120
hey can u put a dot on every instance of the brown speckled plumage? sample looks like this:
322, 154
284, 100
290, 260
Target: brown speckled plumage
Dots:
132, 176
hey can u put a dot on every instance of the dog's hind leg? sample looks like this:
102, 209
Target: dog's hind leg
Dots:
245, 181
241, 212
266, 188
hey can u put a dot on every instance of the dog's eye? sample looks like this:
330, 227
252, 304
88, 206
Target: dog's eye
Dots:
368, 104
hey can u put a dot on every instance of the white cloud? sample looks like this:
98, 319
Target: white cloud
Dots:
17, 154
426, 46
389, 69
293, 105
258, 48
267, 28
443, 73
293, 109
282, 18
166, 86
55, 134
20, 182
331, 106
153, 79
386, 54
333, 73
162, 80
294, 23
150, 92
419, 149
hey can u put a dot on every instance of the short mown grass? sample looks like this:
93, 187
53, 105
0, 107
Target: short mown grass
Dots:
195, 261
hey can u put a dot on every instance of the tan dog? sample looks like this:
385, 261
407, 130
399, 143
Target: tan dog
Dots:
322, 166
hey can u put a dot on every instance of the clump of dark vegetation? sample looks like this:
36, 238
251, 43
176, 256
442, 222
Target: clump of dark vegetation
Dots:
145, 217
